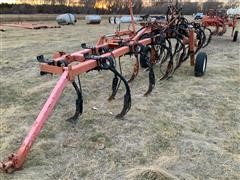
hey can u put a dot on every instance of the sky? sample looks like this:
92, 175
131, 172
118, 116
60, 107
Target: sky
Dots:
14, 1
7, 1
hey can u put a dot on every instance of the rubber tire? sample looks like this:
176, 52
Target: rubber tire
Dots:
117, 20
200, 64
111, 20
235, 36
143, 62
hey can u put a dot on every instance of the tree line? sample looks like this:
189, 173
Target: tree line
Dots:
104, 7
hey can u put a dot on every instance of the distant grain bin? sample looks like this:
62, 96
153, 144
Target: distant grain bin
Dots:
233, 12
128, 19
93, 19
66, 19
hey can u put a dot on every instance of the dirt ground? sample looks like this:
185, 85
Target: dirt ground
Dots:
188, 128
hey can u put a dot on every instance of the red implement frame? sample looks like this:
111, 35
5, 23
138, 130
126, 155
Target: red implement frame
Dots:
219, 20
15, 161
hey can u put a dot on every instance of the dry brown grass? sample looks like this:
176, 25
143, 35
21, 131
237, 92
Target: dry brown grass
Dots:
188, 128
36, 17
27, 17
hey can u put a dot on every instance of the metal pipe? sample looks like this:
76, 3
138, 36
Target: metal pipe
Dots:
15, 161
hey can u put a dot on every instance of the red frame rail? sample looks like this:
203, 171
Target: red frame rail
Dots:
15, 161
212, 19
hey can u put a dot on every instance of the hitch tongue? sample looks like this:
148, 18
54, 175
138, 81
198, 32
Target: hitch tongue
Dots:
8, 166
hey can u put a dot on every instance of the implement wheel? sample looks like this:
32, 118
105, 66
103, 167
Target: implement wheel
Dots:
235, 36
200, 64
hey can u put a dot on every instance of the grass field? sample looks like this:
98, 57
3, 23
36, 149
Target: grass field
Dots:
37, 17
188, 128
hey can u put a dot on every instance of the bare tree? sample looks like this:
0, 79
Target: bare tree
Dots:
212, 5
62, 2
88, 5
233, 3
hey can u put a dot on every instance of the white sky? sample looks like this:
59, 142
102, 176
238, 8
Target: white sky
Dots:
7, 1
